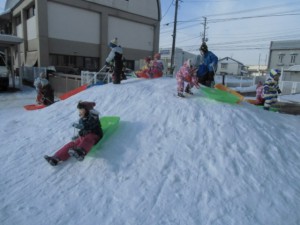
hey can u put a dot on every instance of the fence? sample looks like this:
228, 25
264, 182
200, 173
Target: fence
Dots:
62, 83
89, 78
30, 73
289, 87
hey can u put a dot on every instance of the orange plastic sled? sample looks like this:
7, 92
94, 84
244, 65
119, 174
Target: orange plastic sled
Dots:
34, 107
142, 74
73, 92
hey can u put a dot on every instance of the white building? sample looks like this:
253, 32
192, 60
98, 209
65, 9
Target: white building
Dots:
179, 57
76, 33
284, 54
229, 66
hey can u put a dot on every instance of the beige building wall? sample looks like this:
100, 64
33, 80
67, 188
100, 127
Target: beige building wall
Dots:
84, 28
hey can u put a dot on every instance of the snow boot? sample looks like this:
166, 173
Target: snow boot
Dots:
53, 161
188, 90
180, 94
77, 153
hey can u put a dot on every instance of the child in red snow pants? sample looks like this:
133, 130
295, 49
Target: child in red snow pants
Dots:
84, 142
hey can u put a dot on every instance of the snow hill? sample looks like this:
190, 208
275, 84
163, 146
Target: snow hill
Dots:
172, 161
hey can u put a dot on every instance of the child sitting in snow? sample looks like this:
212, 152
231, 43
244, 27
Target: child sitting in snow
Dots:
90, 132
271, 89
157, 67
186, 74
39, 83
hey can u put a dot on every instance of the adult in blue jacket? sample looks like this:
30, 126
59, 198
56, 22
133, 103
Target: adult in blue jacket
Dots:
206, 70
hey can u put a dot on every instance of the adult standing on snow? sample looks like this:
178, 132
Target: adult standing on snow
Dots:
206, 70
115, 55
271, 89
90, 132
186, 74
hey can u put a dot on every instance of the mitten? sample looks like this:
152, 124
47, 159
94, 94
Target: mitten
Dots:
77, 125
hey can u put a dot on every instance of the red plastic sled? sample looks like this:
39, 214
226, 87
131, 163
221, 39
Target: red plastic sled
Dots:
73, 92
142, 74
34, 107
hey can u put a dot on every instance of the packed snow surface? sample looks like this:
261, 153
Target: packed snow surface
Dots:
171, 161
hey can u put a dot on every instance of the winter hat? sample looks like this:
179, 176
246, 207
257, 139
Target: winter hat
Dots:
203, 47
113, 43
148, 59
42, 75
157, 56
86, 105
188, 63
274, 72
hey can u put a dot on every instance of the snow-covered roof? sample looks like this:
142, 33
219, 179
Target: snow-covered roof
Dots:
295, 68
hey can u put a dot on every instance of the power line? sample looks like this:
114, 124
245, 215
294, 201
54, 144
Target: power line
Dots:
168, 9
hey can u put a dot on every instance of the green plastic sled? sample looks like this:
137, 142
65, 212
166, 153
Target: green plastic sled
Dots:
109, 125
219, 95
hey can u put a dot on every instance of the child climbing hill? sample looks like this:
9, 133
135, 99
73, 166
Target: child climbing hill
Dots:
186, 74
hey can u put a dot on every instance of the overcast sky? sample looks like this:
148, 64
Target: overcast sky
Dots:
230, 30
228, 34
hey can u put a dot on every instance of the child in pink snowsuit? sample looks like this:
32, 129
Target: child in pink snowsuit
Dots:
259, 94
157, 67
90, 132
186, 74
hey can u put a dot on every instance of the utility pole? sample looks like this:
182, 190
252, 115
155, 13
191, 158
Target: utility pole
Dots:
174, 37
204, 32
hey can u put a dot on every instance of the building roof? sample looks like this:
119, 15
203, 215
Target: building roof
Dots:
281, 45
9, 4
8, 40
228, 58
295, 68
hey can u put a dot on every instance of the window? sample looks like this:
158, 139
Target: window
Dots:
293, 58
224, 65
72, 61
18, 20
30, 12
280, 58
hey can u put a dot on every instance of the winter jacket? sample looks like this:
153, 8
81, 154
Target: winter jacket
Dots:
210, 64
48, 94
116, 53
90, 124
157, 66
185, 73
40, 82
270, 88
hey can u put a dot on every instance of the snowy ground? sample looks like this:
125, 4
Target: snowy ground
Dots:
172, 161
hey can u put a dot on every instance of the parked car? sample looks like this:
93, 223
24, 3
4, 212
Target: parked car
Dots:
67, 70
4, 73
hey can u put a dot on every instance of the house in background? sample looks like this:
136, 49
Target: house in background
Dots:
76, 33
257, 70
230, 66
284, 54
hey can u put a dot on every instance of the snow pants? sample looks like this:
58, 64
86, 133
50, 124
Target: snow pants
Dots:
85, 142
208, 79
269, 101
181, 80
